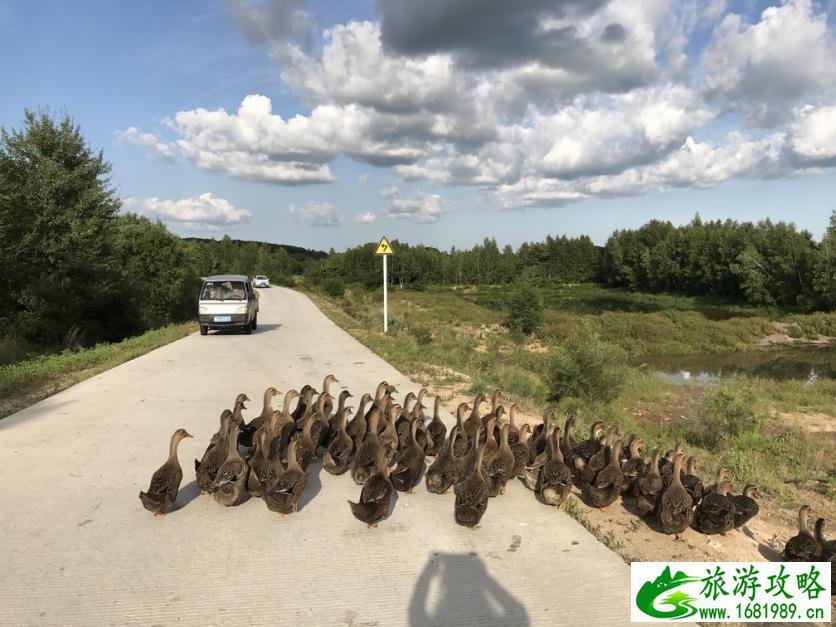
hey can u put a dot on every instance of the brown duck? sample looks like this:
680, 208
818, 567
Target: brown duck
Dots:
500, 468
675, 506
375, 495
539, 436
606, 487
364, 458
520, 449
165, 482
462, 442
259, 464
248, 430
715, 513
472, 493
474, 423
283, 492
440, 474
567, 445
207, 468
745, 506
802, 547
633, 467
555, 483
649, 487
590, 446
357, 426
410, 462
230, 483
692, 482
436, 430
337, 457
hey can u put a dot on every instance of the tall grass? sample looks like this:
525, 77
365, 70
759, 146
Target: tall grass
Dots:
45, 374
735, 425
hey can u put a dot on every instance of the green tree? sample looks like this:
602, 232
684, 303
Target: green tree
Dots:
525, 309
158, 270
824, 268
586, 368
56, 232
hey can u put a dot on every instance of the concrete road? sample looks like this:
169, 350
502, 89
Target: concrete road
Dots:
78, 549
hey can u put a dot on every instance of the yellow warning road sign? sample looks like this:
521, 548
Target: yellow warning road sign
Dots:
384, 248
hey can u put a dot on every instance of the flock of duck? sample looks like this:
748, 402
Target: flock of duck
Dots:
385, 446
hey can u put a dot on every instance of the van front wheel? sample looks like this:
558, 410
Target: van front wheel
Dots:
204, 329
254, 323
248, 329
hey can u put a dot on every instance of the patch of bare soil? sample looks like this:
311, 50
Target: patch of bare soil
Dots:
536, 347
782, 337
814, 422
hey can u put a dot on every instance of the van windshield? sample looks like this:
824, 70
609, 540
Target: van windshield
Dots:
223, 290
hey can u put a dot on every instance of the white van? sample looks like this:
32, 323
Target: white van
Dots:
227, 300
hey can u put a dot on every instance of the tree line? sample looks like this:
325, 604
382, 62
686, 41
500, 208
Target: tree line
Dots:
760, 263
76, 271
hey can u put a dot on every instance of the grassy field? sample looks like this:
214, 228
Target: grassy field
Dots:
23, 383
454, 341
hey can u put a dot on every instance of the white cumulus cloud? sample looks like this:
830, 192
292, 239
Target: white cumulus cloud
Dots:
422, 208
135, 136
365, 217
203, 212
316, 214
769, 66
536, 102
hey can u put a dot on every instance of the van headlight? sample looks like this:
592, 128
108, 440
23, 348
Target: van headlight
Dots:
203, 310
241, 310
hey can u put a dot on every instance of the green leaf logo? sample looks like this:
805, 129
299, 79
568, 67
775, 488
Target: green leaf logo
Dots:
679, 601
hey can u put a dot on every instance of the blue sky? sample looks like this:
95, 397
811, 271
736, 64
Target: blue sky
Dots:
422, 118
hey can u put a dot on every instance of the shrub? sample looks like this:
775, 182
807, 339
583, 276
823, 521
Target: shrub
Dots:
422, 335
729, 413
280, 279
525, 309
586, 368
333, 287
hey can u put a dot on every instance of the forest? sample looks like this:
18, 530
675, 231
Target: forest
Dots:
77, 270
767, 263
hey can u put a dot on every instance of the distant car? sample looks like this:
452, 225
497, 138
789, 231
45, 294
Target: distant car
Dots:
227, 300
261, 281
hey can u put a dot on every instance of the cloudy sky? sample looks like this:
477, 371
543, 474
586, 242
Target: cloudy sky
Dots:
331, 122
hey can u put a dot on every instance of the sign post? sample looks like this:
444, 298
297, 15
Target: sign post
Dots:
384, 249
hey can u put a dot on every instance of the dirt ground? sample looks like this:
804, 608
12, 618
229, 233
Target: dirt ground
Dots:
761, 539
782, 336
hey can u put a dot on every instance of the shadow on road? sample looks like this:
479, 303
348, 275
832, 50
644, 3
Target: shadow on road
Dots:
313, 486
187, 494
456, 588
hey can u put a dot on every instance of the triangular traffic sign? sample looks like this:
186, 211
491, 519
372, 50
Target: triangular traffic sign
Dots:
384, 248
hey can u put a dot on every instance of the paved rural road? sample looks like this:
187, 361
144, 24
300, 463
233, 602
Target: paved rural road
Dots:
78, 549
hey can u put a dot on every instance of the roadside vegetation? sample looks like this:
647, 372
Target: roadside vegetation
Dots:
75, 271
585, 359
27, 381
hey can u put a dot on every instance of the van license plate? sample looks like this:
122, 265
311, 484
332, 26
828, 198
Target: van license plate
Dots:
223, 318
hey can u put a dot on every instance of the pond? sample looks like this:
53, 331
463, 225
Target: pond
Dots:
808, 363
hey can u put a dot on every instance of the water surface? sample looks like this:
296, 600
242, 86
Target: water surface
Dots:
806, 363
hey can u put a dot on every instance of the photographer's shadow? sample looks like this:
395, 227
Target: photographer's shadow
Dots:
463, 593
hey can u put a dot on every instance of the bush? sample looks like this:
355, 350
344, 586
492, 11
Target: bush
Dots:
729, 413
586, 368
282, 280
525, 309
422, 335
333, 287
